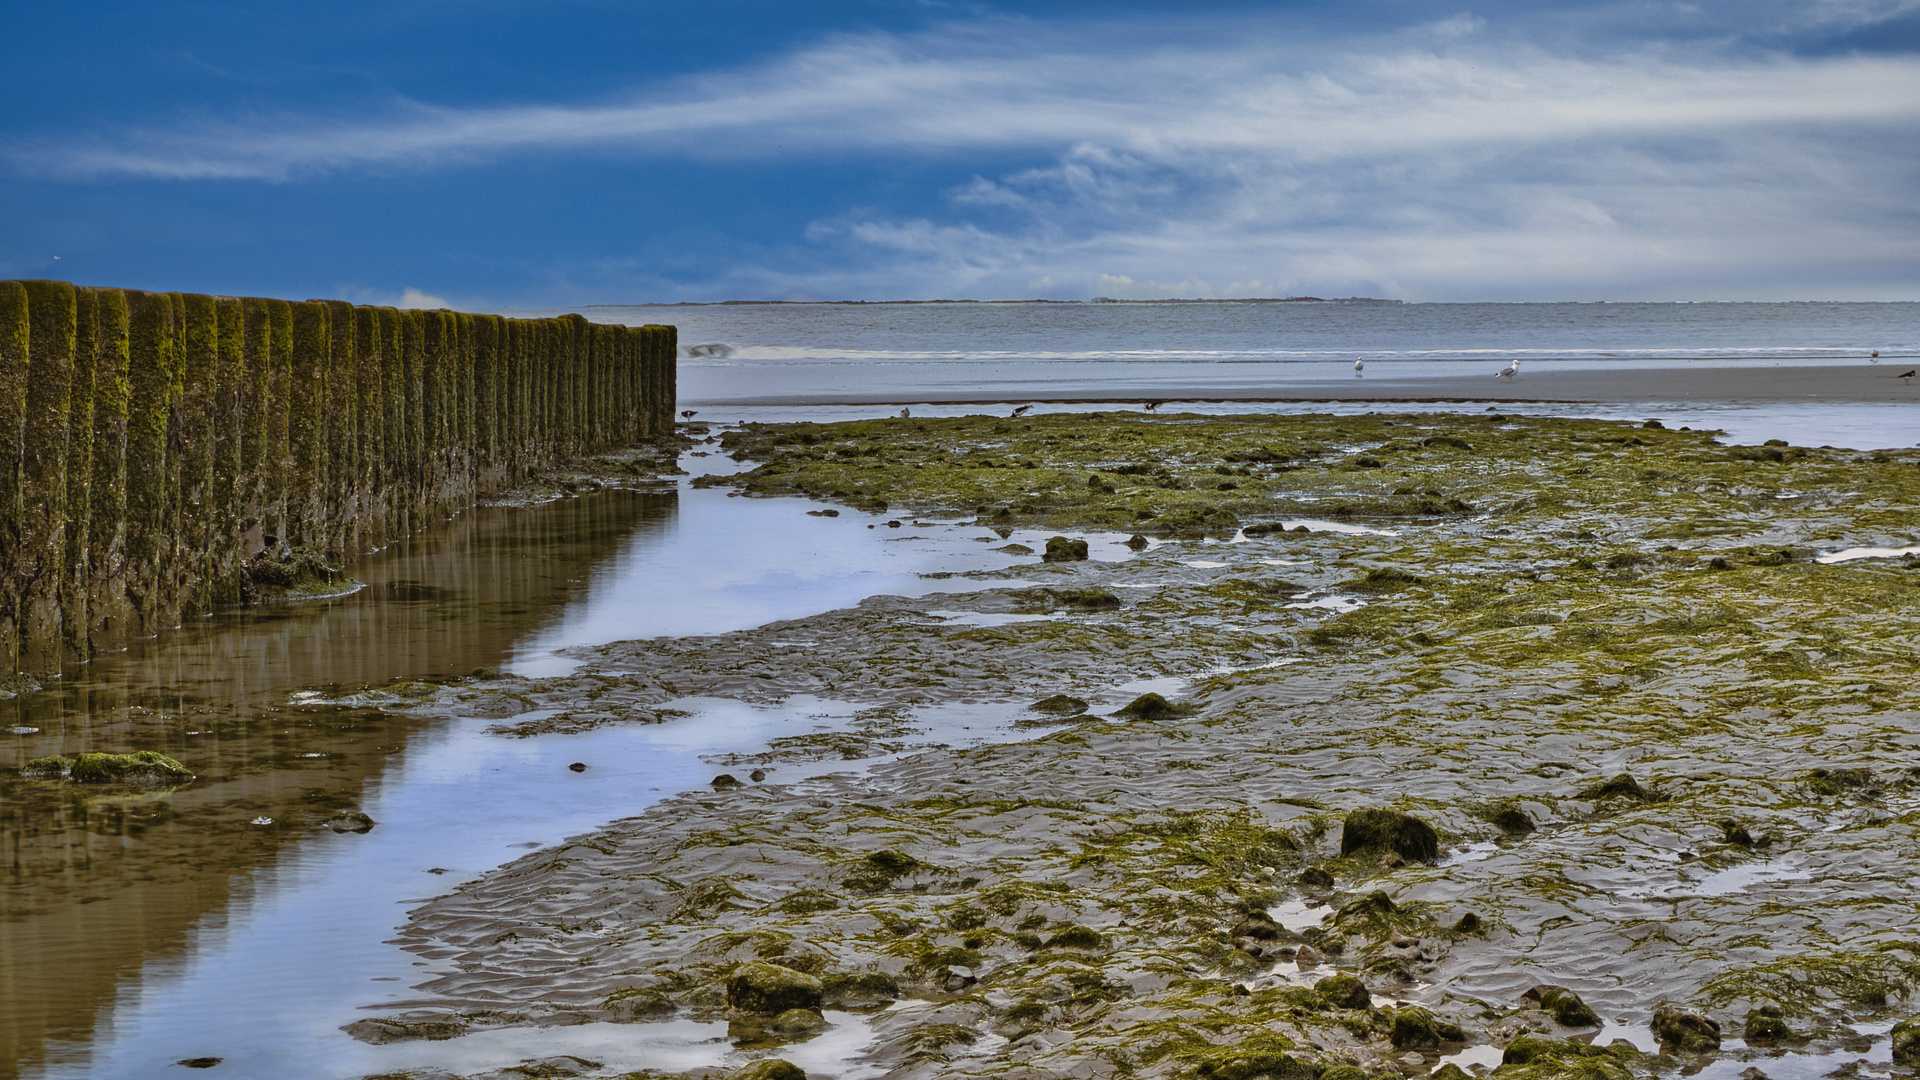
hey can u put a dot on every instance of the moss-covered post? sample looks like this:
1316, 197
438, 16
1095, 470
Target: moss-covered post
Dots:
225, 547
413, 335
343, 429
514, 396
484, 336
15, 333
254, 422
41, 558
75, 583
108, 613
152, 386
370, 428
393, 441
307, 433
193, 442
275, 454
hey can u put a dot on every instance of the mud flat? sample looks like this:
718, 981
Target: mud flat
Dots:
1535, 746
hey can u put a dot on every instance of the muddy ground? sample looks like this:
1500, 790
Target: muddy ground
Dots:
1669, 759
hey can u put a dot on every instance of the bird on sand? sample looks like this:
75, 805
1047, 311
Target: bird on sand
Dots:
1874, 356
1512, 370
688, 414
906, 413
1023, 410
1906, 376
1149, 405
1359, 366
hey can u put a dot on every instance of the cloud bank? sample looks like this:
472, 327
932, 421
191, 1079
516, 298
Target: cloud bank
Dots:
1437, 164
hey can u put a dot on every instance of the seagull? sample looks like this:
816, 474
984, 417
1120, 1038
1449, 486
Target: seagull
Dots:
688, 414
1906, 376
1512, 370
1874, 356
906, 413
1022, 410
1358, 367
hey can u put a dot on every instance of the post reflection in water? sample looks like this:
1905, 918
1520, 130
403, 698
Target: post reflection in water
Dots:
96, 886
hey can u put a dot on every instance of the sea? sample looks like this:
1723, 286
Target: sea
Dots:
776, 361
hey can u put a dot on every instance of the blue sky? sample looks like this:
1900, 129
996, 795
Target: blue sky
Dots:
586, 151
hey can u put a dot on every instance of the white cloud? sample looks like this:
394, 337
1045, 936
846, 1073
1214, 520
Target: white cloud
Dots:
414, 298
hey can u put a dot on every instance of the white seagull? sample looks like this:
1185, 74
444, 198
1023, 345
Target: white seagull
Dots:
1359, 366
1512, 370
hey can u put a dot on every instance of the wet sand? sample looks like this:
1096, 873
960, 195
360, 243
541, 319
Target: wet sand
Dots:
1669, 755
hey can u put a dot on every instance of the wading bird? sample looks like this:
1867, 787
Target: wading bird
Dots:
1149, 405
1022, 410
906, 413
1874, 356
688, 414
1359, 366
1512, 370
1906, 376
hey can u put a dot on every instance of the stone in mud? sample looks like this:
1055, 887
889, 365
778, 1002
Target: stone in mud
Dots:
759, 987
823, 513
1153, 707
578, 766
139, 767
1766, 1025
352, 821
633, 1005
1063, 549
1563, 1005
1735, 833
1384, 580
796, 1022
1076, 937
1315, 878
1014, 549
1415, 1028
1379, 831
47, 768
1059, 704
725, 782
1344, 992
1623, 786
1137, 541
1684, 1029
770, 1069
861, 991
1906, 1039
1259, 928
1507, 816
1307, 957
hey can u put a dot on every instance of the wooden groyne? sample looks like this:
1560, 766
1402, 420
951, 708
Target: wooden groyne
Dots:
154, 445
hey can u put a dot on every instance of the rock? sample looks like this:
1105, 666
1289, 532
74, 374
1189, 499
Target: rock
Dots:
1306, 958
578, 766
1655, 424
1684, 1030
634, 1005
47, 768
757, 775
1449, 1071
1379, 831
725, 782
1537, 1050
770, 1069
798, 1022
1344, 1072
1257, 927
1415, 1028
860, 991
1344, 992
1137, 541
958, 979
1315, 878
759, 987
1060, 704
382, 1031
1014, 549
1734, 833
1563, 1005
1076, 937
1507, 816
1766, 1025
1153, 707
1383, 580
199, 1062
1623, 786
1468, 924
1447, 440
352, 821
1906, 1039
1062, 549
823, 513
139, 767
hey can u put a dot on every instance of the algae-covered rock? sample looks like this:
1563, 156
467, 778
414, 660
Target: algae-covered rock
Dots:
352, 821
635, 1004
1153, 707
1344, 992
1378, 831
1076, 937
1059, 704
1257, 1065
1507, 816
795, 1022
47, 768
1534, 1056
1563, 1005
1766, 1025
381, 1031
1345, 1072
859, 991
1623, 786
1684, 1029
759, 987
1063, 549
1449, 1071
1384, 580
139, 767
1414, 1028
770, 1069
1469, 923
1906, 1039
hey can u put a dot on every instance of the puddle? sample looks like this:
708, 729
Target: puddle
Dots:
1202, 564
1339, 605
1298, 915
1486, 1057
1314, 525
984, 618
1851, 554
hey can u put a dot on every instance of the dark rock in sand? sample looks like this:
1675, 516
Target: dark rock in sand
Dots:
1059, 704
860, 991
199, 1062
1468, 924
1344, 992
1379, 831
1014, 549
1766, 1025
1623, 786
770, 1069
760, 987
1153, 707
823, 513
1415, 1028
798, 1022
1257, 927
1062, 549
1906, 1039
352, 821
1563, 1005
725, 782
578, 766
757, 775
139, 767
1734, 833
1684, 1029
1137, 542
1509, 818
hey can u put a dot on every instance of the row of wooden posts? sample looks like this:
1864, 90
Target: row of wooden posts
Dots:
151, 444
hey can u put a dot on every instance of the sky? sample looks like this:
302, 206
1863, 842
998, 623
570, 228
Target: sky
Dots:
502, 153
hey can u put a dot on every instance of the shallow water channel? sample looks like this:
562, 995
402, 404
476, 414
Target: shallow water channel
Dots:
224, 919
